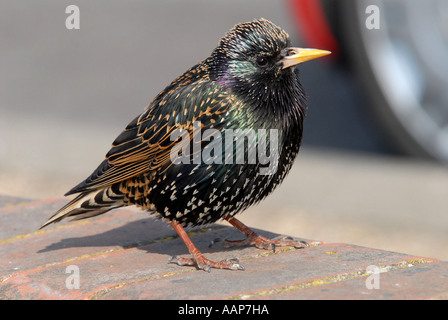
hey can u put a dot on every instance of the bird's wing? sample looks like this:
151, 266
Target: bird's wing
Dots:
145, 144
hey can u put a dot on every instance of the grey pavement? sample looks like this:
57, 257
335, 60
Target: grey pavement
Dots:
65, 95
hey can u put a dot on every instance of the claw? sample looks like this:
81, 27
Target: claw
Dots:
171, 259
214, 241
237, 266
305, 244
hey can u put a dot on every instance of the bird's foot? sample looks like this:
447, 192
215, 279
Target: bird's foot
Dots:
253, 238
263, 243
203, 263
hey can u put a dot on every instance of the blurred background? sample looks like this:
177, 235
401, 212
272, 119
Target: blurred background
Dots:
373, 167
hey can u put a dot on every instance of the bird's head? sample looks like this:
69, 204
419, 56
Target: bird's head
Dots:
256, 52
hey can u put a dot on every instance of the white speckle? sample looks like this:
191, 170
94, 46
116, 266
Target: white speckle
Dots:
167, 212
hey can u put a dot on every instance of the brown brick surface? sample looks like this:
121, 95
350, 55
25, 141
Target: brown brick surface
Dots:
124, 254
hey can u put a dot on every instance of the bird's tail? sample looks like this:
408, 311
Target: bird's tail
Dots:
88, 204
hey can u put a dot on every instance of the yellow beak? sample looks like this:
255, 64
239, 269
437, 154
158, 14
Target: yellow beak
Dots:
299, 55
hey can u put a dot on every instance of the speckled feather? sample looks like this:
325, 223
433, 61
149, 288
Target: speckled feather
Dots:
225, 91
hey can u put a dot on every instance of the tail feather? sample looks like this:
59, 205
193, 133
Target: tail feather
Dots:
88, 204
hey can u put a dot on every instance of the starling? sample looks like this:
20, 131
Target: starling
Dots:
248, 86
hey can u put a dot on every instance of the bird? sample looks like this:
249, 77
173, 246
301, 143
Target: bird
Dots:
248, 86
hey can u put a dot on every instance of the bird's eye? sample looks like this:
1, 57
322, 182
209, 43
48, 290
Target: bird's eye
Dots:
262, 61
